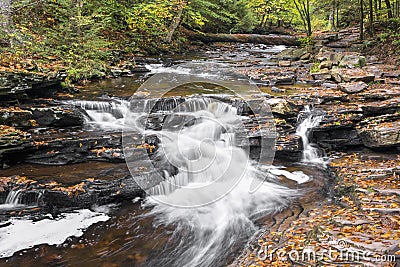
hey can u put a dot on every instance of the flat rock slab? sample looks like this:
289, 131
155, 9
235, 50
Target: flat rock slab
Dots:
353, 61
20, 86
384, 134
353, 87
352, 75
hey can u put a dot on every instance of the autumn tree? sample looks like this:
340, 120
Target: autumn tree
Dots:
5, 22
303, 9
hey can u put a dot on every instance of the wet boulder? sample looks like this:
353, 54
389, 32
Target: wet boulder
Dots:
89, 192
388, 106
327, 55
281, 107
327, 64
284, 63
19, 86
69, 149
14, 145
58, 116
14, 116
289, 147
322, 75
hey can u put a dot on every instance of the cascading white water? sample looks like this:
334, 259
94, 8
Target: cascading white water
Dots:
160, 68
310, 152
14, 200
13, 197
210, 201
106, 114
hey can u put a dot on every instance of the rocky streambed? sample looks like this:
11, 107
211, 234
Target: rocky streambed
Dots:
57, 157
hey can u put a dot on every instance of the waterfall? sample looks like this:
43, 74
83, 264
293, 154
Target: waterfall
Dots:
108, 115
12, 201
210, 202
13, 197
310, 151
18, 198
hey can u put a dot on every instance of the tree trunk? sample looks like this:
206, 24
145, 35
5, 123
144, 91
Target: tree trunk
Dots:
371, 17
174, 25
337, 14
5, 21
262, 21
303, 7
307, 8
332, 16
361, 20
389, 9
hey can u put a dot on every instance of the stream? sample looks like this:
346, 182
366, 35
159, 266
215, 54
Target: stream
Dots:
202, 215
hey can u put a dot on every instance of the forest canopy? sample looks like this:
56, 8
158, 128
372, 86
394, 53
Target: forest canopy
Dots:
83, 33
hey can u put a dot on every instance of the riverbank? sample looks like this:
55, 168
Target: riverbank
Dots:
357, 224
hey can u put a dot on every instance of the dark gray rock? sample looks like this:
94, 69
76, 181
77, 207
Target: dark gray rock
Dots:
18, 87
58, 116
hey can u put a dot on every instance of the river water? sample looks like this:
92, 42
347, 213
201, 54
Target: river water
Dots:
202, 216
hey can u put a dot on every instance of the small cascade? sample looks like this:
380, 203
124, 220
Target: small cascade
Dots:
311, 153
20, 198
105, 114
110, 115
13, 197
160, 68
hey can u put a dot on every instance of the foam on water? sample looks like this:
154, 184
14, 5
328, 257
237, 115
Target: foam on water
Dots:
25, 233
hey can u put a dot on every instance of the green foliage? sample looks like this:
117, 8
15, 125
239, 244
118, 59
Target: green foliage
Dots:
220, 16
393, 24
315, 67
307, 41
64, 30
390, 36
